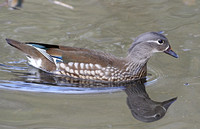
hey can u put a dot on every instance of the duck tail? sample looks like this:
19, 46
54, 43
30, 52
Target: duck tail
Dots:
38, 57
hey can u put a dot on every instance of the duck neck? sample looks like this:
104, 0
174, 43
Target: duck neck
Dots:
136, 66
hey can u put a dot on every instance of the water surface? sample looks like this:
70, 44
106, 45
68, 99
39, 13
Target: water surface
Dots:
109, 26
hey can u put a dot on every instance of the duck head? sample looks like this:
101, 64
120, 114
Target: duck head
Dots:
148, 110
148, 43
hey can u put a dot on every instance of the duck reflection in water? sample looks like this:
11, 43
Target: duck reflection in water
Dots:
140, 104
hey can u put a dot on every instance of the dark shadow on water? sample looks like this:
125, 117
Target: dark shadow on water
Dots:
141, 105
138, 101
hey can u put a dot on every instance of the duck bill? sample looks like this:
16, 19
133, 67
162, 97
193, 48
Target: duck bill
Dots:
171, 52
167, 103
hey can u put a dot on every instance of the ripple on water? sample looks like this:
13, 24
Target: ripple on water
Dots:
33, 87
32, 80
154, 74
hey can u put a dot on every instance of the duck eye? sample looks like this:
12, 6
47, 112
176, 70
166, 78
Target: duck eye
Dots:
161, 41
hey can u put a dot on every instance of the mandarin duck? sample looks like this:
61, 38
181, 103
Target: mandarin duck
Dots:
92, 64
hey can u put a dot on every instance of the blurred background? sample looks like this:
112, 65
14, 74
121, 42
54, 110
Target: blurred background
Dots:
110, 26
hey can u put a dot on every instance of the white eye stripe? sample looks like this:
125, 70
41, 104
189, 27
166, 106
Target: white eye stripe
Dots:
154, 41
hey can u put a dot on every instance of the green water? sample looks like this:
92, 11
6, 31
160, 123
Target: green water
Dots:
109, 26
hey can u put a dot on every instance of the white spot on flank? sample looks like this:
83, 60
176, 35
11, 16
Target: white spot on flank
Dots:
70, 64
76, 65
76, 71
71, 71
91, 65
104, 77
98, 66
103, 69
116, 71
62, 65
108, 69
97, 71
92, 72
82, 65
85, 71
101, 74
106, 73
88, 72
87, 66
67, 69
81, 72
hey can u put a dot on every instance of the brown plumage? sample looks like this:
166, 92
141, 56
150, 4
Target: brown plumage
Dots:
95, 65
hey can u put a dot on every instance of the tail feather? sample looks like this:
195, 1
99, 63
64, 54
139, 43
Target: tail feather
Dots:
36, 54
